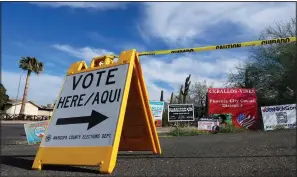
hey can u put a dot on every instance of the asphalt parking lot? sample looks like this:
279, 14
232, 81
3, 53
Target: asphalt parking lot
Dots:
237, 154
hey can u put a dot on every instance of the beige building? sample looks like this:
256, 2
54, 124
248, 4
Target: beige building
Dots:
45, 111
13, 107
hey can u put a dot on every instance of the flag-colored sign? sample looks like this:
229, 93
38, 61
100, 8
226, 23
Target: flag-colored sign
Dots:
35, 131
279, 115
235, 106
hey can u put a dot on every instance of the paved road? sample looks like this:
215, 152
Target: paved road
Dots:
239, 154
11, 133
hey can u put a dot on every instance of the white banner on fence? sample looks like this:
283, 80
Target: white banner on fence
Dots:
206, 125
279, 115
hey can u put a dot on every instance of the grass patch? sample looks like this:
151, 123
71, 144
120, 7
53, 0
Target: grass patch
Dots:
162, 135
187, 132
195, 132
234, 130
279, 127
165, 136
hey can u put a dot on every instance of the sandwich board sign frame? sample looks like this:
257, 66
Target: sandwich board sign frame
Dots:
95, 116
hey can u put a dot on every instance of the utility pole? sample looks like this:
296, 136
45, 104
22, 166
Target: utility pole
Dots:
17, 96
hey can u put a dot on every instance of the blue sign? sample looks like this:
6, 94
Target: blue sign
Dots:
157, 108
35, 131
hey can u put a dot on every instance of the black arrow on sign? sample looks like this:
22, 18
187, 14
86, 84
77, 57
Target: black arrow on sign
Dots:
94, 119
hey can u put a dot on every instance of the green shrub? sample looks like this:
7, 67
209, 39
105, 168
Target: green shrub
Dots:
234, 130
187, 132
194, 132
279, 127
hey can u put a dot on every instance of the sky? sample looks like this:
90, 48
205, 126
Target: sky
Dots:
60, 33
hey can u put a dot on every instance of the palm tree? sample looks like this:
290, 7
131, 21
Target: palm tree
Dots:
29, 64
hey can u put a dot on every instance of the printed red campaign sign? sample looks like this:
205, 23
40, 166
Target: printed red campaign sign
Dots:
237, 107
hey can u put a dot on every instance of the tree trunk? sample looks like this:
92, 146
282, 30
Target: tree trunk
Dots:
165, 118
296, 99
202, 108
161, 97
171, 98
22, 112
206, 105
295, 90
185, 99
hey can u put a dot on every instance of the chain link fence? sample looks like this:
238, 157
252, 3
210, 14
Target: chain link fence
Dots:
11, 117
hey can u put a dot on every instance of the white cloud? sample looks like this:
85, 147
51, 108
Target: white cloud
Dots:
154, 91
173, 69
43, 89
93, 5
182, 22
174, 72
85, 53
173, 22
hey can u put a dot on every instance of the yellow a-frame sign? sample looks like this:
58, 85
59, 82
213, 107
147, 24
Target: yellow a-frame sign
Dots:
101, 110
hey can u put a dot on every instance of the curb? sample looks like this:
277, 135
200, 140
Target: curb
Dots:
17, 122
25, 122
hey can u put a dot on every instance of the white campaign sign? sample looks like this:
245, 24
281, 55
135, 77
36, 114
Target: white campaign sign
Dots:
88, 108
284, 115
206, 125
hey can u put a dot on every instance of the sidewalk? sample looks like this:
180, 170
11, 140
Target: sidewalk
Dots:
16, 121
164, 129
159, 129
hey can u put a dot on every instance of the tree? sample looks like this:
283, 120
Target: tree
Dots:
198, 94
180, 95
165, 117
161, 97
29, 64
164, 114
183, 91
171, 98
271, 69
3, 97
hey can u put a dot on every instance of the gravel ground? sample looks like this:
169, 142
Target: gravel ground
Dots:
237, 154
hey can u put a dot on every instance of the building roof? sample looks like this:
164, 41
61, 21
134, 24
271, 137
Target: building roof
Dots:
12, 101
16, 102
46, 109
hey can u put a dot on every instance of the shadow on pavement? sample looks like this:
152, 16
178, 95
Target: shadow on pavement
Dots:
148, 156
22, 162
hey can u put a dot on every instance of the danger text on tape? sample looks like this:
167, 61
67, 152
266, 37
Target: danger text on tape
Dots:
224, 46
276, 41
228, 46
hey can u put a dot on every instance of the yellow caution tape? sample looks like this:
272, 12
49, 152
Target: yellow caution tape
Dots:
224, 46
